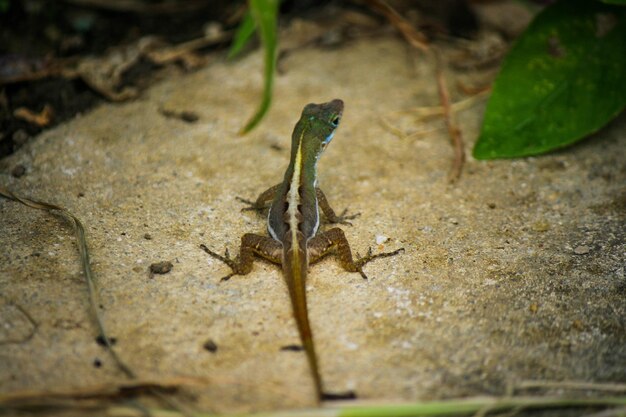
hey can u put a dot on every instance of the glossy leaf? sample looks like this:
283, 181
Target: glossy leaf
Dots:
265, 14
564, 78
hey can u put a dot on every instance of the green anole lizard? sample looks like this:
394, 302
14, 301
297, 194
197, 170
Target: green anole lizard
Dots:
293, 223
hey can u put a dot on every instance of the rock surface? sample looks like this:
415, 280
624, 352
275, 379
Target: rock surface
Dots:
492, 287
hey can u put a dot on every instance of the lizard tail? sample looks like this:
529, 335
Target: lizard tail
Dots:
295, 269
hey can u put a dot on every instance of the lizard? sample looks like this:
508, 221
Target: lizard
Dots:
293, 223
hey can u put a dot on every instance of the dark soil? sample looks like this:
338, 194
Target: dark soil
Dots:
67, 98
35, 32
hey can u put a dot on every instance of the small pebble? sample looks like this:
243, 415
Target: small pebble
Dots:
20, 137
292, 348
541, 226
581, 250
185, 116
147, 236
210, 345
380, 239
18, 171
161, 267
189, 117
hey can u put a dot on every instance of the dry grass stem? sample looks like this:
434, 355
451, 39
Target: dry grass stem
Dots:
453, 131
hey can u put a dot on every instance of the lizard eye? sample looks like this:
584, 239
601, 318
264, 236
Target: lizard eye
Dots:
335, 121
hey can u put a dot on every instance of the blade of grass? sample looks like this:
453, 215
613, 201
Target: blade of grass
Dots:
454, 407
265, 14
467, 406
244, 32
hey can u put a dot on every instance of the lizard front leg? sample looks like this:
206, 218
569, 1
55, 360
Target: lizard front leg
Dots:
251, 245
322, 244
262, 201
328, 211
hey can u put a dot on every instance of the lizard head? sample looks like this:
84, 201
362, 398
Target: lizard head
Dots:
321, 120
315, 130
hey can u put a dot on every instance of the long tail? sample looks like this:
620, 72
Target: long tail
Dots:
295, 269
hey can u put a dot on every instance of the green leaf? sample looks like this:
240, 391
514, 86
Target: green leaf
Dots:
564, 78
244, 32
265, 14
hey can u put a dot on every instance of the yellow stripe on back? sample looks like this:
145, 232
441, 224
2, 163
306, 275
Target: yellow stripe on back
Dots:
294, 200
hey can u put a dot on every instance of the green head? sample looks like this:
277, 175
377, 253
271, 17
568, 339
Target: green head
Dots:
316, 128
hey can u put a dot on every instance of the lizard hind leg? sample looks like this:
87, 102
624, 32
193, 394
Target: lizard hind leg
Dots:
322, 244
251, 245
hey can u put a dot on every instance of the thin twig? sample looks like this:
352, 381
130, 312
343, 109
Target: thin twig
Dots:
471, 90
419, 41
412, 36
165, 54
105, 391
79, 232
453, 131
136, 6
432, 111
400, 133
30, 334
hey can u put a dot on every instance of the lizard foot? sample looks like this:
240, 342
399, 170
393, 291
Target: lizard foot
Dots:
343, 218
362, 260
226, 259
252, 206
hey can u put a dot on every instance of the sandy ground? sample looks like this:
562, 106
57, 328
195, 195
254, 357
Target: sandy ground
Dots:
515, 273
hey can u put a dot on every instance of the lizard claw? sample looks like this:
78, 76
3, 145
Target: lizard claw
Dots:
226, 259
363, 260
343, 218
252, 206
362, 274
227, 277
